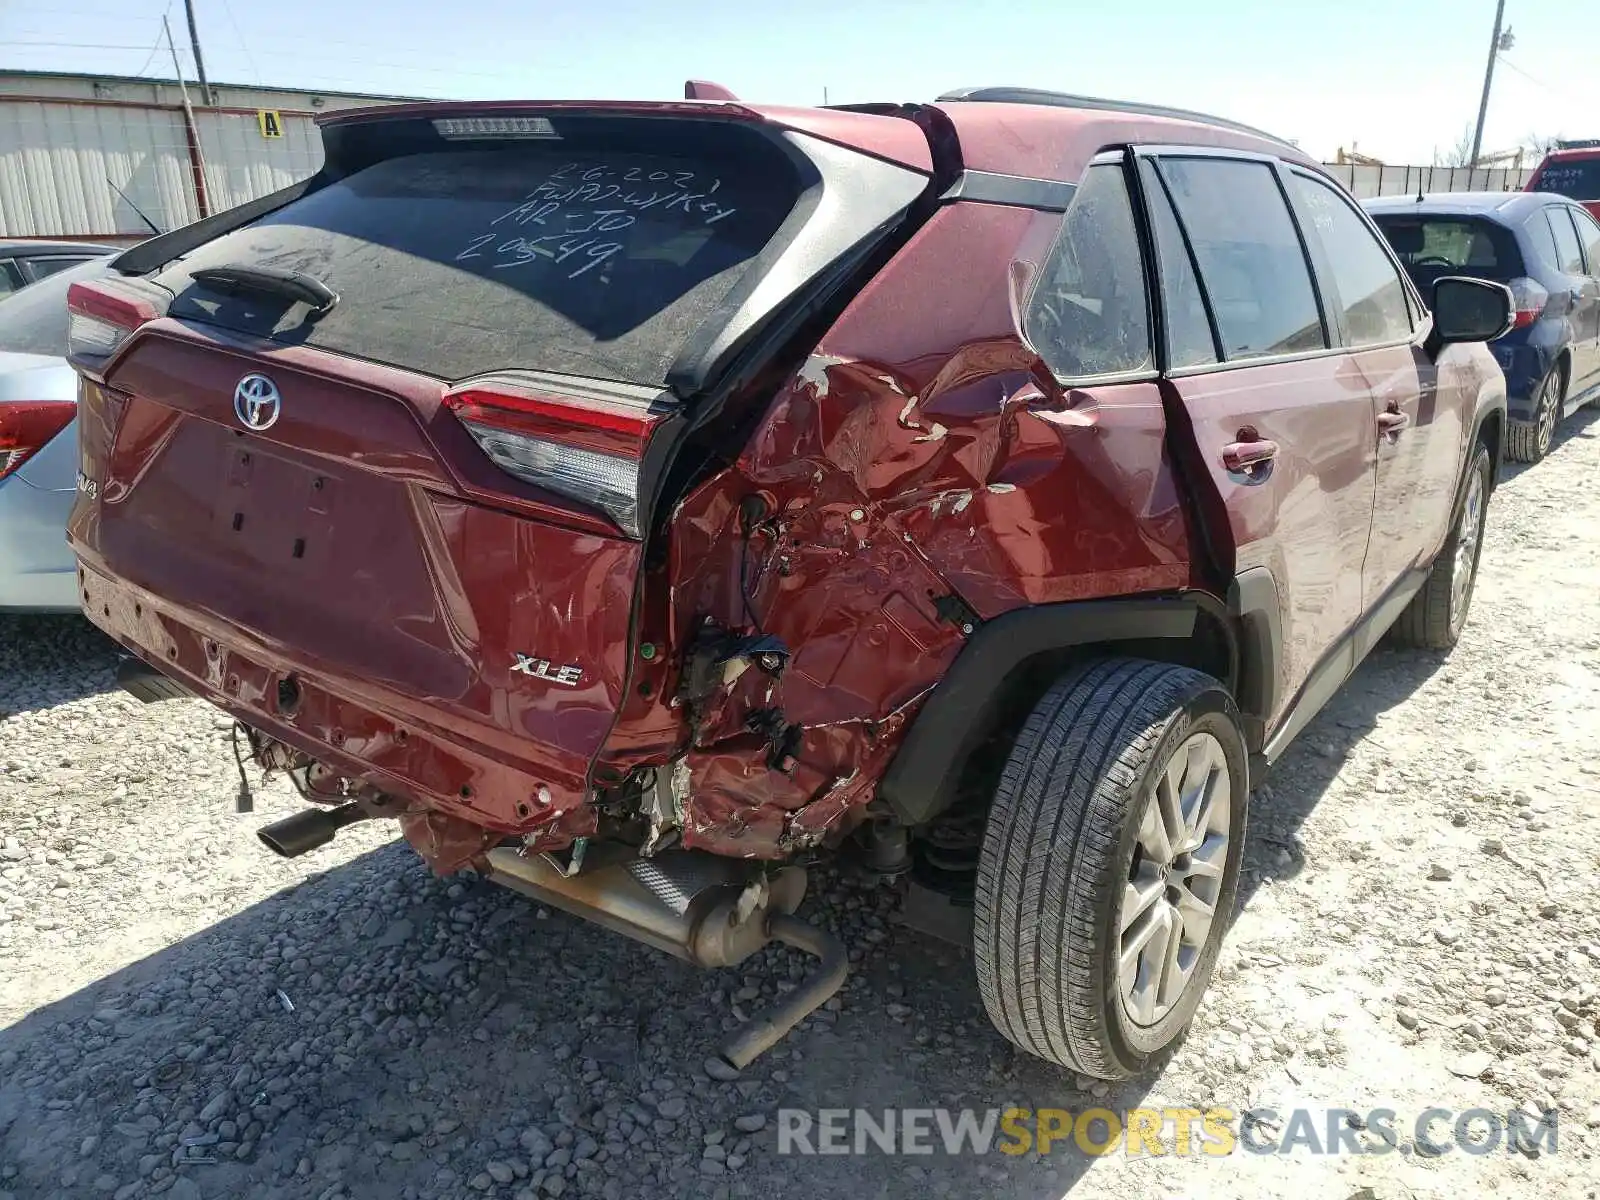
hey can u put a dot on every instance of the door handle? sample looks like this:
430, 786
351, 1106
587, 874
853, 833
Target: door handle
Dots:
1392, 421
1246, 456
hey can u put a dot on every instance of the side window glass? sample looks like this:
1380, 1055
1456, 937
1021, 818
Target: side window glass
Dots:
1544, 242
1250, 258
1088, 314
1369, 289
1189, 341
1589, 235
1569, 255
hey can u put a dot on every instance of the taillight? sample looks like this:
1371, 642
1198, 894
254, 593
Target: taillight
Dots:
1531, 298
101, 315
27, 426
589, 448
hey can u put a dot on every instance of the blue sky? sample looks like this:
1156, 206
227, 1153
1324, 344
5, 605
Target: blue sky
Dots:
1399, 77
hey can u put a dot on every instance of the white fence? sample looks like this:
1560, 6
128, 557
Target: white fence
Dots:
1408, 181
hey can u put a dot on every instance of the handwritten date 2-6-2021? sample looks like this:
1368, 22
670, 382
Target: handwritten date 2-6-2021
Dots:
580, 205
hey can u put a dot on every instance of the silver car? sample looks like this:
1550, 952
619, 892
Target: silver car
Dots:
38, 445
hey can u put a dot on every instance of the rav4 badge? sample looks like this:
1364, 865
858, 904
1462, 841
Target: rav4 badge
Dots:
540, 668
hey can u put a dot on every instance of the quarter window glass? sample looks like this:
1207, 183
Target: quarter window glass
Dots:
1088, 314
1189, 342
1569, 256
1589, 234
1544, 242
1249, 254
1369, 287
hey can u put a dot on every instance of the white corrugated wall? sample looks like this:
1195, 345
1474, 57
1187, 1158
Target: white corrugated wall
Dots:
241, 164
60, 165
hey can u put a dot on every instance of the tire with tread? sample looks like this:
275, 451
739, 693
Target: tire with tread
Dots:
1057, 852
1429, 621
1526, 441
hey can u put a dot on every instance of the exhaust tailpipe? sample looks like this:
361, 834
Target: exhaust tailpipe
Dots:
755, 1038
310, 828
712, 911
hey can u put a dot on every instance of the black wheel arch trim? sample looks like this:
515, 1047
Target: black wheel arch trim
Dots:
1256, 609
958, 717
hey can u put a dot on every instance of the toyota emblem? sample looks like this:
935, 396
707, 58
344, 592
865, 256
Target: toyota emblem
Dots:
256, 402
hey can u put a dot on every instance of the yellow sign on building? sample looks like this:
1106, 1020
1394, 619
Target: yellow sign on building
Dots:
271, 123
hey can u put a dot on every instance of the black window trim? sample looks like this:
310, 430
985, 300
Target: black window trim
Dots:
1112, 157
1146, 219
1408, 289
1158, 151
1573, 226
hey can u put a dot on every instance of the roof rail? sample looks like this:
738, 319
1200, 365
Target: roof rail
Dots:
1013, 95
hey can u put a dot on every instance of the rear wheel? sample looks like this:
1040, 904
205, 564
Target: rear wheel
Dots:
1437, 614
1109, 865
1529, 441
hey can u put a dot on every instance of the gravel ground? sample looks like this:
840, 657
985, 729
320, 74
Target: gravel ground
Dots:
182, 1013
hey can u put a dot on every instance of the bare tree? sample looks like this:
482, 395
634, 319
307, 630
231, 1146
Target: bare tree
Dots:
1538, 145
1459, 154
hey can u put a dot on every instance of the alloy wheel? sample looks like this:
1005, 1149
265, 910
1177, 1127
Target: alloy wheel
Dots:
1549, 412
1466, 559
1169, 901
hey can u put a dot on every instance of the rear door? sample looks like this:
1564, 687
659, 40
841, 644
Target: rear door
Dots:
1583, 297
1588, 310
1419, 410
1281, 420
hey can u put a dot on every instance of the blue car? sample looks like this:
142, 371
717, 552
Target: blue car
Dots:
1546, 248
38, 445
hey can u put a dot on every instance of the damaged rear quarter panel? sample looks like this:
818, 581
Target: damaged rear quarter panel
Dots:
922, 449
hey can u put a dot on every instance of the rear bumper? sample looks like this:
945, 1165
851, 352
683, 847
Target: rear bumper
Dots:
356, 736
1525, 357
37, 571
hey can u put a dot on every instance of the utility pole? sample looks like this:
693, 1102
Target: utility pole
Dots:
206, 96
197, 162
1495, 47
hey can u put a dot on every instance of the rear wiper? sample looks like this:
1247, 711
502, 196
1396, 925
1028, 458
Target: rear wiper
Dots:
292, 285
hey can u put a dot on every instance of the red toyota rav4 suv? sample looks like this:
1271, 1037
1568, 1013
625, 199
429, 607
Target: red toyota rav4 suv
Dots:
640, 501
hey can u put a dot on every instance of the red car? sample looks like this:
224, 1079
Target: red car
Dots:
1572, 170
643, 500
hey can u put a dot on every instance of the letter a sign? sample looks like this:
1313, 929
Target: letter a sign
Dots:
271, 123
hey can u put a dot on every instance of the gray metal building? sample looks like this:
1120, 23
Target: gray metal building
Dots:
93, 157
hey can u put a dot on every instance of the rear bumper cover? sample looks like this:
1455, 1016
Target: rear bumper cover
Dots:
352, 735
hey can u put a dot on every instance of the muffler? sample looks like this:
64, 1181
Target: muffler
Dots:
711, 911
310, 828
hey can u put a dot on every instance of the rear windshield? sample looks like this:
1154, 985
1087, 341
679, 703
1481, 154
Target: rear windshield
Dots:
463, 261
34, 320
1576, 178
1432, 246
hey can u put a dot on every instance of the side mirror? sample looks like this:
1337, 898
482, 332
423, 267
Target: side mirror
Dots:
1469, 310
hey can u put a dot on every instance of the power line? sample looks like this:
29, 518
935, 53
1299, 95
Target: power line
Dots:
295, 54
1537, 82
156, 48
243, 45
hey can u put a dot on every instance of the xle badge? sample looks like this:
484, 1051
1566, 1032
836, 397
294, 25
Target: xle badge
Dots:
540, 668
